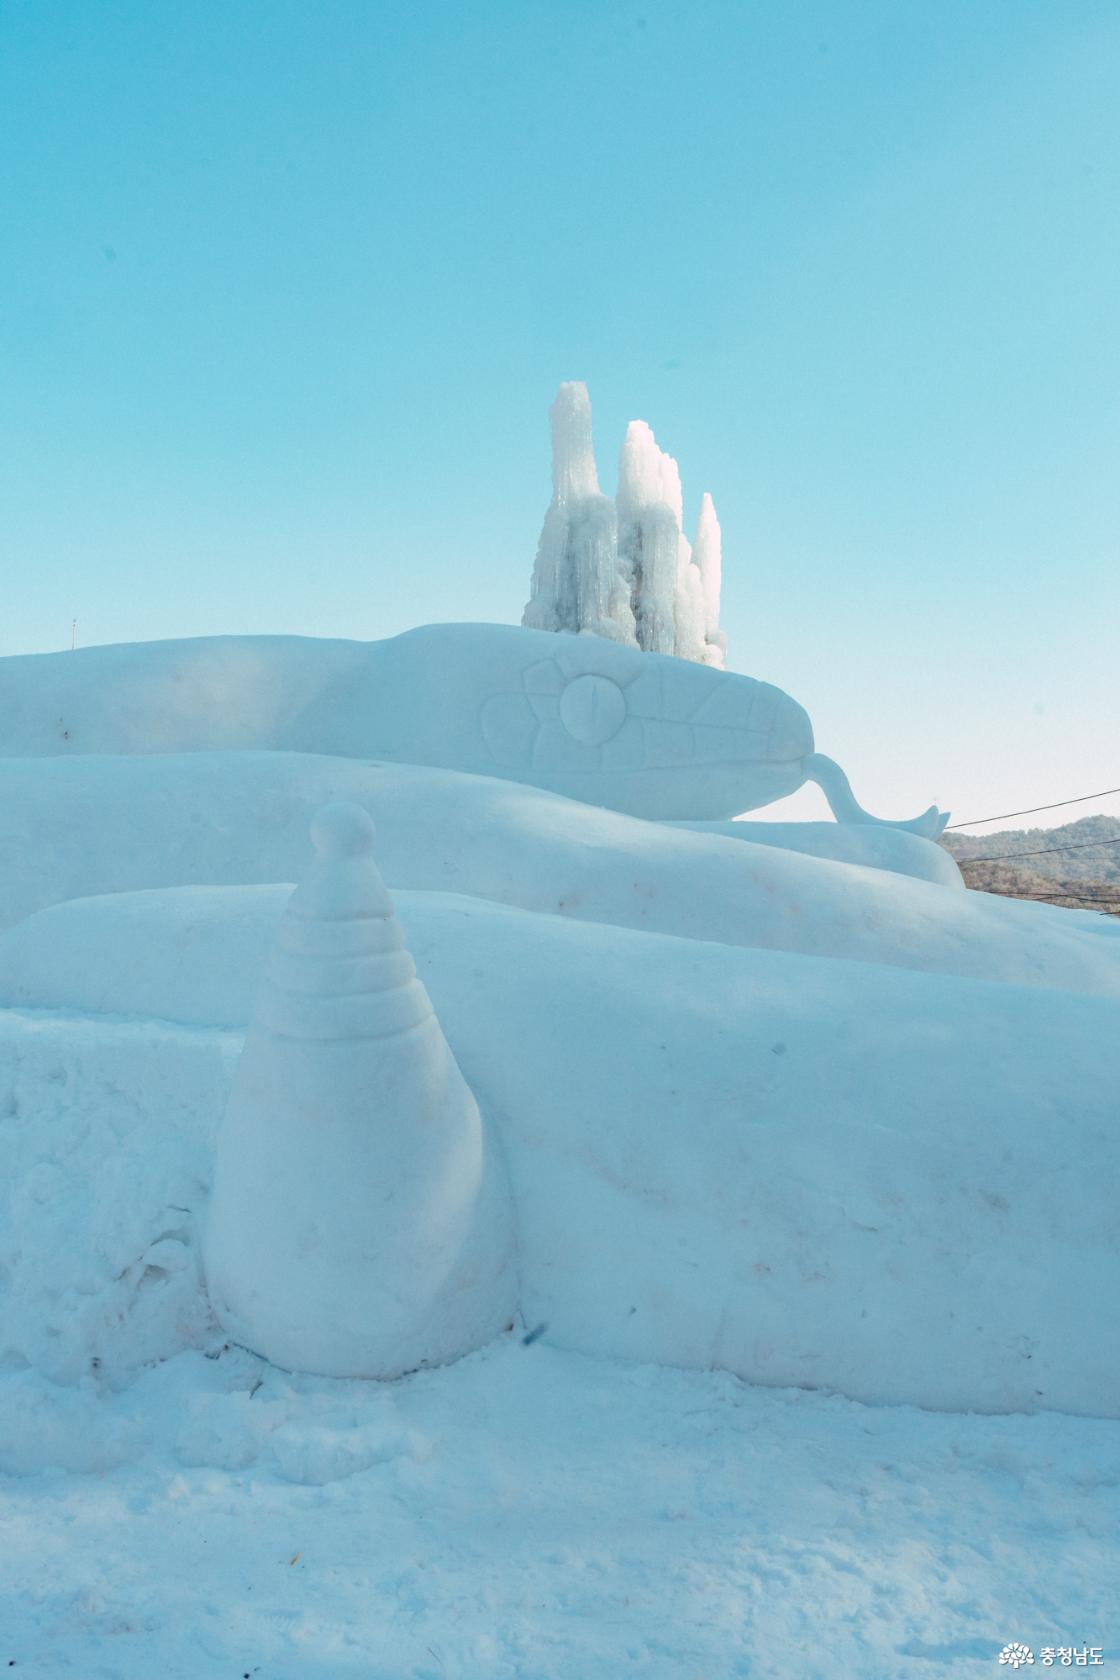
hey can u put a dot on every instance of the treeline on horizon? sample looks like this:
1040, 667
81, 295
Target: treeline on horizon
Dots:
1084, 879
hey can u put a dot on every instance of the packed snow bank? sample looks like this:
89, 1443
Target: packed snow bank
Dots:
192, 955
106, 825
106, 1154
811, 1172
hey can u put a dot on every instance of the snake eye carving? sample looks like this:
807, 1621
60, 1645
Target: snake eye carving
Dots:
566, 717
592, 709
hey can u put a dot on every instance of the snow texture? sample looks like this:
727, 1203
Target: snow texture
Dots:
528, 1514
624, 570
361, 1223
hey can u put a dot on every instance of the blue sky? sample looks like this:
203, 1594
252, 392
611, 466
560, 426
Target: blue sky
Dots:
287, 290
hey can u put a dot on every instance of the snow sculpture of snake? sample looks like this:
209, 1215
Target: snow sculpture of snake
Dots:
642, 733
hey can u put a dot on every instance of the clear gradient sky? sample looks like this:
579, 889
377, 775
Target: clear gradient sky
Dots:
287, 290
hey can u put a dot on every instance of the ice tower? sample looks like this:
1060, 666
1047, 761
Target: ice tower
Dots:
624, 569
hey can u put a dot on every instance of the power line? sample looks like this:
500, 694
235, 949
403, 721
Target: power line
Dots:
974, 822
1106, 904
1043, 851
1084, 898
1095, 906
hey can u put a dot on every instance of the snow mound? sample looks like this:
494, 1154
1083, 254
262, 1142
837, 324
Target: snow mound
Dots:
811, 1172
106, 825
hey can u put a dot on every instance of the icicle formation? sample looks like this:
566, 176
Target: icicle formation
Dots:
360, 1224
577, 584
707, 560
626, 571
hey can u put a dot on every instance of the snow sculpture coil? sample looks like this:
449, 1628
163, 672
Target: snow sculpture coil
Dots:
360, 1222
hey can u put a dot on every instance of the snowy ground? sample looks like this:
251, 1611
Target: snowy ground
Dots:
533, 1515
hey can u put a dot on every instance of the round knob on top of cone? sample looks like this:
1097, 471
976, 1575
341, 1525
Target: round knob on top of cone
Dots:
343, 883
343, 829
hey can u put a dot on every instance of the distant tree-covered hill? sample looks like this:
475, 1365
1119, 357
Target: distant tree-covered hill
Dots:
1034, 863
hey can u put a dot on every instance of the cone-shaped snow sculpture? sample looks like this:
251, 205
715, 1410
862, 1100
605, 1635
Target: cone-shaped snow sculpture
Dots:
360, 1222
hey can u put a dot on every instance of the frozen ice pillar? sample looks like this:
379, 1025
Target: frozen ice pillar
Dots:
577, 584
360, 1224
624, 569
706, 557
